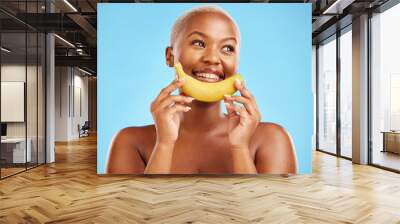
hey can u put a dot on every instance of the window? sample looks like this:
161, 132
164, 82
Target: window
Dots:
346, 93
327, 96
385, 88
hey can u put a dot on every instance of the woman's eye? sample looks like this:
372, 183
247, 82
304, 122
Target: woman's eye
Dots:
198, 43
228, 49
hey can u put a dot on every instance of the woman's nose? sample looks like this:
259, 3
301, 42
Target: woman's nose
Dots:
211, 56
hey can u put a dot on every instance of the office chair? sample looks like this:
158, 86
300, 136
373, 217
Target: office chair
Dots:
84, 130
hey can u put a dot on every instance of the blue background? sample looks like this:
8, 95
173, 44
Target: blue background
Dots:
275, 61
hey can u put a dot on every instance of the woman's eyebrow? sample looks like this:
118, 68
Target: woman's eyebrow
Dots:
196, 32
230, 38
205, 35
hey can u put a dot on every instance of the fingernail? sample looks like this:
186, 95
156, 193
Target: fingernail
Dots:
187, 109
176, 77
227, 104
238, 82
190, 98
227, 96
181, 79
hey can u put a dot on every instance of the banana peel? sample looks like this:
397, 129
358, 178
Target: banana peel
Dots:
205, 91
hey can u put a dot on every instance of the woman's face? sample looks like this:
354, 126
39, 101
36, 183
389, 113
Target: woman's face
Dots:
207, 47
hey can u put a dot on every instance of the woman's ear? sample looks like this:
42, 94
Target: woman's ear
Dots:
169, 57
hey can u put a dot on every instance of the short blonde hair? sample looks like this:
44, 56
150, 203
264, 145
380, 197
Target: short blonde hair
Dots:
180, 22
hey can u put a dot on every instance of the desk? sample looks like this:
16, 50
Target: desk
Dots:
391, 141
16, 147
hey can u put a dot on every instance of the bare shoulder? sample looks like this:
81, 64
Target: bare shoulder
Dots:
275, 152
125, 155
270, 132
133, 135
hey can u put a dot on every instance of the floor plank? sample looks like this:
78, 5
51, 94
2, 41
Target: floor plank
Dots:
70, 191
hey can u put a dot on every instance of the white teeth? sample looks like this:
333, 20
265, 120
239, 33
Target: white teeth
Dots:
208, 76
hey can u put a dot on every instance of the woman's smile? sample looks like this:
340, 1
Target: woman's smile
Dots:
208, 75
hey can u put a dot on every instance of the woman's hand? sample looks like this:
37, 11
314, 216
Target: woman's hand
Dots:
166, 110
242, 119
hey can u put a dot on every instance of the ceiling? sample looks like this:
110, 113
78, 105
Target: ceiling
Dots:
76, 22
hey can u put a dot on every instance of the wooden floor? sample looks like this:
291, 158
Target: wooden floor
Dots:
70, 191
10, 171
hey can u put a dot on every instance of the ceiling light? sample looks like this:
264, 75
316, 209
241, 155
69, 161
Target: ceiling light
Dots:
5, 50
65, 41
84, 71
337, 7
70, 5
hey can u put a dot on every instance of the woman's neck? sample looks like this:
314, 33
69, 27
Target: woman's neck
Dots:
202, 116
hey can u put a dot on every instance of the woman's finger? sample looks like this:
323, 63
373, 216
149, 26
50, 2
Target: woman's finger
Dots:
171, 99
243, 90
241, 111
247, 94
229, 108
177, 108
249, 105
166, 91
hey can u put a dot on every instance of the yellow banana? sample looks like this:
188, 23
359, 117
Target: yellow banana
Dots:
204, 91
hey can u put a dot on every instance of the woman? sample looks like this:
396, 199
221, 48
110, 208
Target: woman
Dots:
190, 136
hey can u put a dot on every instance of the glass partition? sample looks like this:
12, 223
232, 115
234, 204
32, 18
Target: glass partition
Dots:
346, 93
327, 96
32, 95
14, 153
41, 85
385, 89
22, 78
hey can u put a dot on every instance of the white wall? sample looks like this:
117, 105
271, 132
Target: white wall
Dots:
33, 127
80, 89
71, 87
61, 103
13, 73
